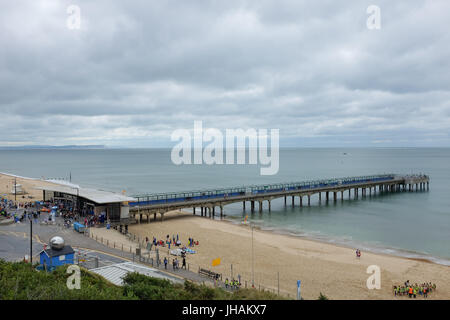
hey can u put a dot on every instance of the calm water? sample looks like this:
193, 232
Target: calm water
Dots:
412, 224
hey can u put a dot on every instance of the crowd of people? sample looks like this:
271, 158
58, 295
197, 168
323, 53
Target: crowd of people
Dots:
63, 209
169, 242
414, 290
5, 205
10, 209
174, 241
232, 284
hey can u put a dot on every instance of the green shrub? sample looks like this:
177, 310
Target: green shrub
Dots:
18, 281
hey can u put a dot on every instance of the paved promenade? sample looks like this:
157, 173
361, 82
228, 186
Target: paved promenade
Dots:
15, 244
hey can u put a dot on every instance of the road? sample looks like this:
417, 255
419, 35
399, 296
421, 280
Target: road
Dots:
15, 244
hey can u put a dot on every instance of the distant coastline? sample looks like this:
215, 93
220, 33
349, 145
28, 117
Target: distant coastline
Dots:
37, 147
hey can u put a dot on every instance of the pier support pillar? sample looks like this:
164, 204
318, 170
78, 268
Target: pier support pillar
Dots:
154, 216
162, 216
270, 205
301, 201
243, 205
252, 205
356, 193
260, 206
327, 195
293, 201
193, 211
342, 195
309, 200
334, 196
320, 197
213, 212
221, 211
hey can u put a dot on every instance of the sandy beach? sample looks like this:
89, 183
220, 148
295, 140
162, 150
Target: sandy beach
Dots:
29, 186
322, 267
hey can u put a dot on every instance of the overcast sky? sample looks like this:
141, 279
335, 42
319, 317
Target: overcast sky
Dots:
136, 71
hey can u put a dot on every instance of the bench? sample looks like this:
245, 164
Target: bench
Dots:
210, 274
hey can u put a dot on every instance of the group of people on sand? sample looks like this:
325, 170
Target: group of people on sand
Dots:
413, 290
232, 284
174, 241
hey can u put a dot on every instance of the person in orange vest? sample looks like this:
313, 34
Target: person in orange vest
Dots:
410, 292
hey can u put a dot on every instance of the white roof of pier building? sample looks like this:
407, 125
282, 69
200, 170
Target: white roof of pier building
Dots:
94, 195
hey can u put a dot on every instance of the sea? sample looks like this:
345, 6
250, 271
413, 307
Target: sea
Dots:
409, 224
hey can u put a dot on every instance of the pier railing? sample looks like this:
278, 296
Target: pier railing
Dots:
228, 195
160, 198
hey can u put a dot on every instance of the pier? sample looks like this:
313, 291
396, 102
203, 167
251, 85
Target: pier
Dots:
211, 202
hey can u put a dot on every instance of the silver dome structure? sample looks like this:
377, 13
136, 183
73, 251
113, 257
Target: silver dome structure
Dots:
57, 243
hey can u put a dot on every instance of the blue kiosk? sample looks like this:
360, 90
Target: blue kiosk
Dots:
57, 255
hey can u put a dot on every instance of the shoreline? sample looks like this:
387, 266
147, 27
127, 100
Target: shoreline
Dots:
324, 267
396, 252
28, 185
329, 268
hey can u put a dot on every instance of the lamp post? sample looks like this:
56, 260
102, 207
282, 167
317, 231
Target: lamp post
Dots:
78, 199
253, 255
253, 260
31, 241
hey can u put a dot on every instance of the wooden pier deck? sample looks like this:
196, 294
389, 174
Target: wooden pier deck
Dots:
209, 200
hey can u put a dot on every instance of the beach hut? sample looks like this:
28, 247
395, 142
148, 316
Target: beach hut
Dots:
58, 254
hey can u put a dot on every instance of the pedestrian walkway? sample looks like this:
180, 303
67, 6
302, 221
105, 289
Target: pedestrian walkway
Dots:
17, 237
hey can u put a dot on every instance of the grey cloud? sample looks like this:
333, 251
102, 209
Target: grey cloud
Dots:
136, 71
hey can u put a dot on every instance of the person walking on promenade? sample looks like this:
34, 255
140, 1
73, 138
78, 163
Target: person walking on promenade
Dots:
165, 263
184, 263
